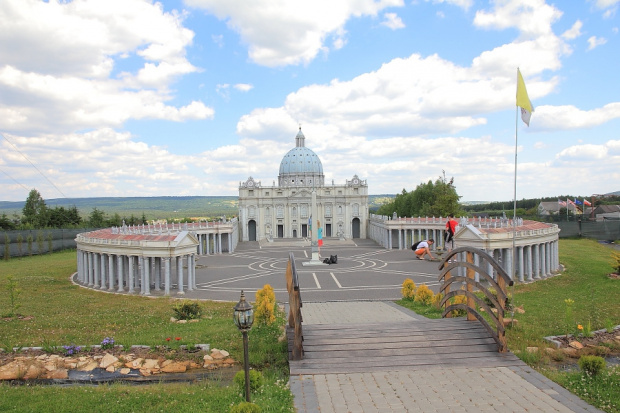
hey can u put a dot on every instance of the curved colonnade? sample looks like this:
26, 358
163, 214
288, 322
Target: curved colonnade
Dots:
150, 258
536, 243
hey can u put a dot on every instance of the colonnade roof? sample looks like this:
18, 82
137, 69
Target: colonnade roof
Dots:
527, 225
108, 234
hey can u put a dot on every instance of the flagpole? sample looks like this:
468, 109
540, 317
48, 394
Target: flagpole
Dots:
514, 197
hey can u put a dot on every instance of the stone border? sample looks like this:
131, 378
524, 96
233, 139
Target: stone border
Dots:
553, 339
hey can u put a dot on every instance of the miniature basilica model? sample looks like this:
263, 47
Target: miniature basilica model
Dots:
285, 210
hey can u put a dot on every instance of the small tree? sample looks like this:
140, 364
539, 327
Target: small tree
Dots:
265, 305
50, 242
20, 244
7, 247
40, 241
29, 241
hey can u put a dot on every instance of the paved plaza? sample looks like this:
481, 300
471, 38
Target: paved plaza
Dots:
365, 271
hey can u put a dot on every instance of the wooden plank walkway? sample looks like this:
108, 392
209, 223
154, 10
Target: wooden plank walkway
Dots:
409, 345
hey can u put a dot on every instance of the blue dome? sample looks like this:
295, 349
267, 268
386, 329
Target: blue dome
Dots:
301, 160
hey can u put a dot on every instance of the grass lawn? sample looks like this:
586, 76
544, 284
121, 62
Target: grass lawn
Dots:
65, 314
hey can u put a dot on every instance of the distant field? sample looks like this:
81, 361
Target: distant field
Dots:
158, 207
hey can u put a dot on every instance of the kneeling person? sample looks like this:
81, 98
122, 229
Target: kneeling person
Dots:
424, 249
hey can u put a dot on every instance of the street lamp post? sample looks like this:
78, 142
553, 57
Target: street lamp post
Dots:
244, 317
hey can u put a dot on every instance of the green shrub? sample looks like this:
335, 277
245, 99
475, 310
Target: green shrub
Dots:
245, 407
408, 289
256, 380
187, 310
592, 365
507, 304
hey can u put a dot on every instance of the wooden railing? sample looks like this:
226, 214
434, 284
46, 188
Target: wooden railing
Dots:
450, 275
293, 330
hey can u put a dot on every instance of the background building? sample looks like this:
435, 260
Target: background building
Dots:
284, 211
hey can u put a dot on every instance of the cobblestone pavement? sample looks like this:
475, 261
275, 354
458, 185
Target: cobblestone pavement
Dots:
431, 389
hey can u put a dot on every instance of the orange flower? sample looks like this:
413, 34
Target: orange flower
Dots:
177, 338
580, 327
168, 339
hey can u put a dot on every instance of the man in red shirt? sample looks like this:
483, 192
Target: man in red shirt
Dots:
449, 234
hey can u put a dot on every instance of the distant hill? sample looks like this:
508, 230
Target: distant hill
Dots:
157, 207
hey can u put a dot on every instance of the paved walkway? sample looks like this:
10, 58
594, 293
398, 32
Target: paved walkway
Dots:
431, 389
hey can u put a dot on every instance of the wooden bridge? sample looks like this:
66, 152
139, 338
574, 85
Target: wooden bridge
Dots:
472, 341
355, 348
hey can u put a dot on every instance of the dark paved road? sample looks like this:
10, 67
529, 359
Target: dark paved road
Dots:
365, 271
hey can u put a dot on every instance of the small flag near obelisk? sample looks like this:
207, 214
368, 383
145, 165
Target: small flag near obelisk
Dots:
523, 101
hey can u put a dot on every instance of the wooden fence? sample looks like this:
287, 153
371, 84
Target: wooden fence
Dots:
450, 274
293, 330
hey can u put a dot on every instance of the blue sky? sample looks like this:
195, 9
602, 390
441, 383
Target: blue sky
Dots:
190, 97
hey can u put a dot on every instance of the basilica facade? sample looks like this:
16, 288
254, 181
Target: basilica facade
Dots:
285, 210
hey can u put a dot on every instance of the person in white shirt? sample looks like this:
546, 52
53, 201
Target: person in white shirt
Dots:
423, 249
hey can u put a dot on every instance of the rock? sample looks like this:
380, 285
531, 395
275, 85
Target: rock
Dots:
12, 371
219, 354
532, 349
571, 352
173, 320
182, 322
135, 364
510, 322
575, 344
174, 367
59, 374
88, 365
33, 371
146, 372
125, 370
207, 357
110, 369
107, 361
195, 320
494, 310
150, 364
549, 350
519, 310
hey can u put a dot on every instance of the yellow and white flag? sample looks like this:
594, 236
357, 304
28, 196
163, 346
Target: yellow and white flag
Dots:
523, 101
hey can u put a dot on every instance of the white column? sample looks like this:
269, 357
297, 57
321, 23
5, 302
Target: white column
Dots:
130, 274
529, 263
167, 275
520, 249
180, 275
509, 258
97, 269
543, 259
190, 272
147, 276
119, 262
536, 261
157, 274
111, 272
141, 267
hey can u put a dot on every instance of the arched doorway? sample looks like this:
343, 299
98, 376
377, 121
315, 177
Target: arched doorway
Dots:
251, 230
355, 226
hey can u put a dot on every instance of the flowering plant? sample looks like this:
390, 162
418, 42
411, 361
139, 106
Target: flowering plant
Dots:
107, 343
71, 349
